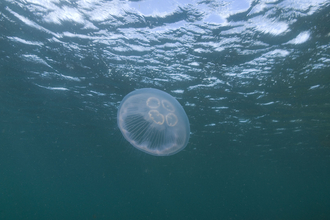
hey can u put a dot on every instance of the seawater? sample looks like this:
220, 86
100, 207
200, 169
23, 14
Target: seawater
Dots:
252, 76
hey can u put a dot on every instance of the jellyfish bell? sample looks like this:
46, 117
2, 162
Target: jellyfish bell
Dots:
154, 122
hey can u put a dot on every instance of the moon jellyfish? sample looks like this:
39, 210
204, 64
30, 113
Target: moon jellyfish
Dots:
154, 122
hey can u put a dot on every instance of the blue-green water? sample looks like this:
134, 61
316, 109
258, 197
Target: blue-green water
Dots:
253, 78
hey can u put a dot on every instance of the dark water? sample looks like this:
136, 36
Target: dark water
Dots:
253, 78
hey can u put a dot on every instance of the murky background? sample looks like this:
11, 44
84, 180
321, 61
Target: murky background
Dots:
252, 76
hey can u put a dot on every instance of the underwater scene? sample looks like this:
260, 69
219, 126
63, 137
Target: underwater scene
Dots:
178, 109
